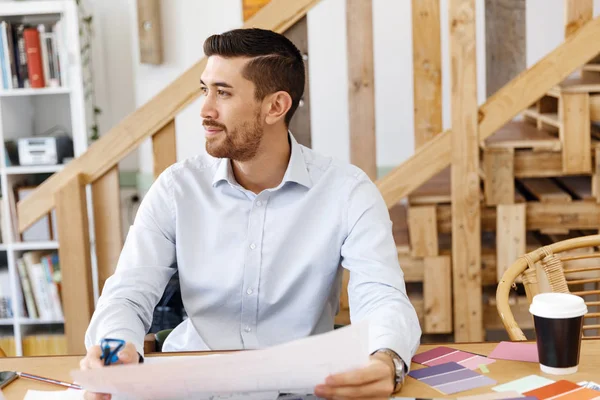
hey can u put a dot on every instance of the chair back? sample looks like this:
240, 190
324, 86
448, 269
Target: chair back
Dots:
568, 266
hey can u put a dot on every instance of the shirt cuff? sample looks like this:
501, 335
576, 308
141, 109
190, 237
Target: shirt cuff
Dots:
391, 342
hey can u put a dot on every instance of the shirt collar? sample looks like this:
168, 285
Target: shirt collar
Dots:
296, 170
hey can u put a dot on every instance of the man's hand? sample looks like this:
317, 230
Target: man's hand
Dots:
128, 355
375, 381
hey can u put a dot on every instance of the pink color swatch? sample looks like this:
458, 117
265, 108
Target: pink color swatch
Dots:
516, 351
441, 355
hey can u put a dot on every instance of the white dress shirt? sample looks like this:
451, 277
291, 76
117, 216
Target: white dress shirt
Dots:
259, 270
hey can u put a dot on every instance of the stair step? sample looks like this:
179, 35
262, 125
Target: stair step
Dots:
545, 190
550, 119
580, 187
594, 67
522, 135
587, 84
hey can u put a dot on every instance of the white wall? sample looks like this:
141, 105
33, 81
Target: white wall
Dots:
187, 23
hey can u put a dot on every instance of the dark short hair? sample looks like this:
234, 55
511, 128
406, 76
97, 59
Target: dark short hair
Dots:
275, 62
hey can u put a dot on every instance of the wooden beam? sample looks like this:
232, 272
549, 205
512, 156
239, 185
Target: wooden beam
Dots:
75, 263
499, 181
437, 295
595, 108
361, 89
164, 148
422, 228
530, 164
510, 236
143, 123
466, 224
427, 70
505, 42
107, 224
500, 108
251, 7
577, 14
300, 123
575, 133
596, 176
576, 215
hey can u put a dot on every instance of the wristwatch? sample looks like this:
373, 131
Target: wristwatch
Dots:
400, 367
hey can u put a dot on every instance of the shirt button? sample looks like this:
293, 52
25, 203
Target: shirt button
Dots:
247, 329
252, 246
259, 203
249, 291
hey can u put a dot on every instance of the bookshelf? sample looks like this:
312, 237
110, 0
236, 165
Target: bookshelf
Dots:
27, 112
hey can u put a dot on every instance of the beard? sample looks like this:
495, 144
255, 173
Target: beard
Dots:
239, 144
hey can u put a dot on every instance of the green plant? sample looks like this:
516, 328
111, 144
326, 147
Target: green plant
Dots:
86, 35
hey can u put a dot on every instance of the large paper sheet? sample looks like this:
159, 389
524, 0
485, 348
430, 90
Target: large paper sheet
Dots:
292, 367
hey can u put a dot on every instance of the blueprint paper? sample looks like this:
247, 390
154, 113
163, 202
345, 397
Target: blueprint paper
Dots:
290, 367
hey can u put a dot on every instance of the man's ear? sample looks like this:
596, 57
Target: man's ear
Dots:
278, 104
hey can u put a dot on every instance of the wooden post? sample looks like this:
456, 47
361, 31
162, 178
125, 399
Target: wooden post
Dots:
437, 295
505, 42
577, 13
466, 223
300, 123
361, 90
575, 134
498, 164
427, 70
422, 228
74, 255
107, 223
164, 148
510, 236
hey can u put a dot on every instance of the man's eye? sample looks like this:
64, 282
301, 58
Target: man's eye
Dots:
203, 90
222, 93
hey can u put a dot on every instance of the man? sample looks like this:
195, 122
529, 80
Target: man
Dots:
258, 232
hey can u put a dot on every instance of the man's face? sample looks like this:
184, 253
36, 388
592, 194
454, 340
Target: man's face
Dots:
232, 117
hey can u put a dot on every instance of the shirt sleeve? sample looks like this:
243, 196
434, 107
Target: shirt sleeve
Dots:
376, 290
147, 262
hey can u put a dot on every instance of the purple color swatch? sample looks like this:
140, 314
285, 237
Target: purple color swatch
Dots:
467, 384
449, 377
437, 370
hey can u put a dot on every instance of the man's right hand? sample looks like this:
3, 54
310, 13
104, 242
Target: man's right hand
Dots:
92, 360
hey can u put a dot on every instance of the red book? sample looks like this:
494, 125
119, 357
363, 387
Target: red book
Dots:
34, 58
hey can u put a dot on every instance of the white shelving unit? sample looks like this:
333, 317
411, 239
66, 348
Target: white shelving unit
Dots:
30, 112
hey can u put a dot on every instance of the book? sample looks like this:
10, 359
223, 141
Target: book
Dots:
34, 58
7, 60
27, 292
21, 56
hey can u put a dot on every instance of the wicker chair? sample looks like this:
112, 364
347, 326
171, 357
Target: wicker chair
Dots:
546, 270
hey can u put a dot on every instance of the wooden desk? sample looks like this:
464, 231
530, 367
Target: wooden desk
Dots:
502, 371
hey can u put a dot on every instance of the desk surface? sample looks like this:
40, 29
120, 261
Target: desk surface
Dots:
501, 371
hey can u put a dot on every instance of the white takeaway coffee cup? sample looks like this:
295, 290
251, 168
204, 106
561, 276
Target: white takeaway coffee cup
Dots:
558, 320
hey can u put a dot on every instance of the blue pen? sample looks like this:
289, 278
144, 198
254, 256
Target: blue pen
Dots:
110, 350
